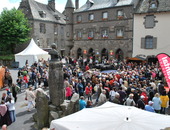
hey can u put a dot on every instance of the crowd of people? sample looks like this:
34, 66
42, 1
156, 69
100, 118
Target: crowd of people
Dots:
133, 84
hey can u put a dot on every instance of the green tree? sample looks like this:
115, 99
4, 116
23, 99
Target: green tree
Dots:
14, 29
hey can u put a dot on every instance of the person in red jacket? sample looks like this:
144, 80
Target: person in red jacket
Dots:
26, 80
69, 90
88, 91
87, 67
145, 95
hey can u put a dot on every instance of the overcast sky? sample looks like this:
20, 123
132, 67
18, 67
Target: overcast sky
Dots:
60, 4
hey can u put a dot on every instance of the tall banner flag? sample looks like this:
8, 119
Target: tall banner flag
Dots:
164, 61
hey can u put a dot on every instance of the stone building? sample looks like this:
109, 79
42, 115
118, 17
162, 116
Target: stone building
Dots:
100, 28
48, 25
151, 28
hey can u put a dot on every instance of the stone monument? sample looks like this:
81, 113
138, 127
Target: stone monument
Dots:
56, 80
57, 107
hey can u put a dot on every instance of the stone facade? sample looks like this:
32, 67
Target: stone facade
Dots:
109, 46
48, 25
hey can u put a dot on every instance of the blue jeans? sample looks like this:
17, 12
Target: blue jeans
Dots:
12, 115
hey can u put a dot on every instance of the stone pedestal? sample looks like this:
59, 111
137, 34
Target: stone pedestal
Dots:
56, 83
42, 110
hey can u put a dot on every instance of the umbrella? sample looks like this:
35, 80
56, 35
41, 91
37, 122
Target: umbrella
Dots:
112, 117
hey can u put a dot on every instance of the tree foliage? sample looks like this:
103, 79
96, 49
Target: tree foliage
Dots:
14, 29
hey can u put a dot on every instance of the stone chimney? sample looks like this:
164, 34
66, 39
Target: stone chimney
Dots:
77, 4
51, 4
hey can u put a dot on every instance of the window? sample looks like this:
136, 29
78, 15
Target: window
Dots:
91, 17
42, 14
104, 33
79, 19
120, 14
149, 42
55, 30
48, 42
105, 15
119, 33
79, 35
42, 28
62, 32
90, 35
153, 5
57, 17
150, 21
67, 34
90, 3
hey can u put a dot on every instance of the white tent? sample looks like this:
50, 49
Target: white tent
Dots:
32, 53
112, 117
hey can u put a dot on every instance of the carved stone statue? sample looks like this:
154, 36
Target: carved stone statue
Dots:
54, 53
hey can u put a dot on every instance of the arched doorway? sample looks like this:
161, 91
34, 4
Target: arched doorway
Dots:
79, 53
119, 55
91, 54
104, 54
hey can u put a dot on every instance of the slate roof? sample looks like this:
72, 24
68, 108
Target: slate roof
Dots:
69, 4
50, 14
101, 4
163, 6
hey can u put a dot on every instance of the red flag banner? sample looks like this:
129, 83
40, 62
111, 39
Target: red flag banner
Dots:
164, 61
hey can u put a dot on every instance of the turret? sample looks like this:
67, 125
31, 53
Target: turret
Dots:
69, 10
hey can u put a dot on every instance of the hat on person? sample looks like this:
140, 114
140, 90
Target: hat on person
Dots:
131, 95
7, 89
150, 102
142, 96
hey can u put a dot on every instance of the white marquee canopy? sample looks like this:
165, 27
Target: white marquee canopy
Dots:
32, 53
111, 116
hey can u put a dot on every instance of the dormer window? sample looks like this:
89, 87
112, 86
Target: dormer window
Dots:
57, 17
90, 3
42, 14
153, 4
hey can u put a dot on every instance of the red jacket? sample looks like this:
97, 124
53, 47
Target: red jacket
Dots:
68, 91
88, 90
25, 79
87, 67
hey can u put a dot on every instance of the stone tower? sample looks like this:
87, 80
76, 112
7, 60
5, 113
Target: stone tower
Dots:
69, 9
